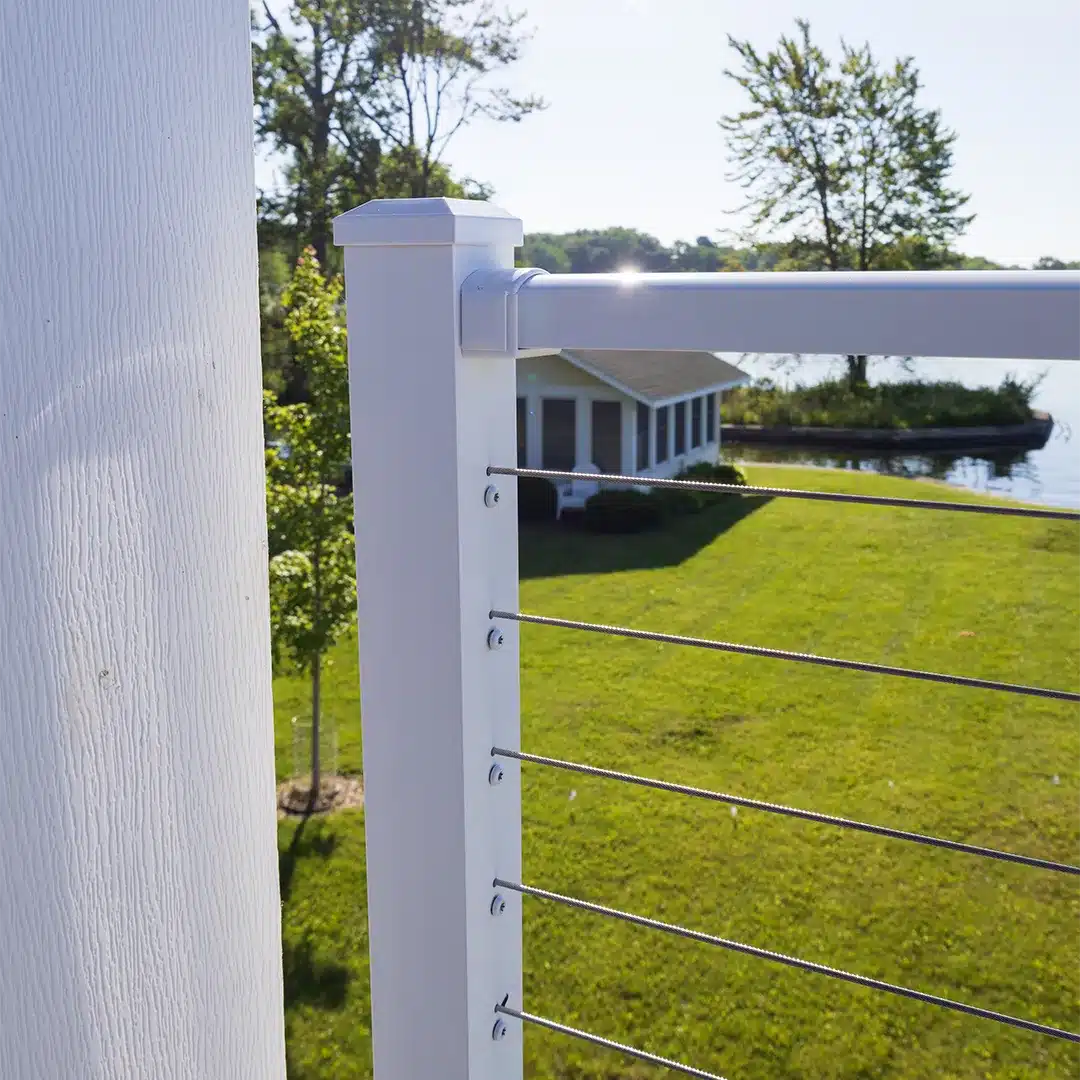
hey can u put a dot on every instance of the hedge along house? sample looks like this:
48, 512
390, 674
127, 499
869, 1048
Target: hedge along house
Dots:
636, 413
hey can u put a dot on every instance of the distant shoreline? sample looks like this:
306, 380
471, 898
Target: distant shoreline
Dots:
1032, 435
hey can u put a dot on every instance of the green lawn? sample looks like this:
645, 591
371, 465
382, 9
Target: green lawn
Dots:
991, 597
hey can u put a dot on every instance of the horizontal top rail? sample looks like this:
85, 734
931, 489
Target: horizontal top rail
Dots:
949, 313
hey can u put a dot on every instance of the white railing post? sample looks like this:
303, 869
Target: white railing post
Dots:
140, 923
435, 553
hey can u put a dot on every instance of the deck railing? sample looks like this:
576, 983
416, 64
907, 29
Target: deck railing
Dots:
436, 317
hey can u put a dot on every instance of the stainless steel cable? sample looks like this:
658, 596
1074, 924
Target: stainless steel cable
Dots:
790, 493
788, 811
790, 961
608, 1044
785, 654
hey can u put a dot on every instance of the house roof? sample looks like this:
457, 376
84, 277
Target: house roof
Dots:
655, 378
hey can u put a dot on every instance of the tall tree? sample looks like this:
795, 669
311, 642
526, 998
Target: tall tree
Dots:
314, 64
309, 518
841, 162
435, 63
362, 97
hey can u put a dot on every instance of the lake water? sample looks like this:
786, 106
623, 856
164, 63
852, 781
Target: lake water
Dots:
1050, 476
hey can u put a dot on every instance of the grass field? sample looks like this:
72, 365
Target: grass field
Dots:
998, 598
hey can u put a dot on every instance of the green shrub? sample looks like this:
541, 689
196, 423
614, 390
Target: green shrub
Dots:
537, 499
715, 472
679, 501
623, 510
687, 501
910, 404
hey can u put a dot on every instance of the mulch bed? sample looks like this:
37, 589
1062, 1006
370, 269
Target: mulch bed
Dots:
335, 793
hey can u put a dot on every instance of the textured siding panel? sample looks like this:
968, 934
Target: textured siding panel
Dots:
139, 914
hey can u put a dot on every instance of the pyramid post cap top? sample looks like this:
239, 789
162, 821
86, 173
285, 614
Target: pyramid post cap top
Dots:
427, 221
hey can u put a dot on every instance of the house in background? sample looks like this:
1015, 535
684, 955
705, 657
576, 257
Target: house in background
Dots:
635, 413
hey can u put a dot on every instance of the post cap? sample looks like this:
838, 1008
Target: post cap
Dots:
396, 222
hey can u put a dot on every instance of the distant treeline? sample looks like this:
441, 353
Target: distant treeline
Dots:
595, 251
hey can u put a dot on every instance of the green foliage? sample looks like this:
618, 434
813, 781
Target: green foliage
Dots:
590, 251
537, 499
976, 262
687, 501
914, 404
362, 99
312, 558
312, 562
1048, 262
993, 597
313, 65
675, 502
840, 163
715, 472
274, 271
623, 510
403, 170
842, 157
628, 510
313, 602
434, 64
607, 250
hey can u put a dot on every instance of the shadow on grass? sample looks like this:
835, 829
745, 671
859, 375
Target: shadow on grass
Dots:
302, 845
309, 981
557, 549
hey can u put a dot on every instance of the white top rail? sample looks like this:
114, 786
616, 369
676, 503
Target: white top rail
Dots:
962, 313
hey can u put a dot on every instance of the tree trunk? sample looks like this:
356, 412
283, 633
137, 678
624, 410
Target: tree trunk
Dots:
320, 236
320, 211
856, 371
316, 668
316, 769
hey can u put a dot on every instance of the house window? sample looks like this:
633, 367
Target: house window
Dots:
680, 428
642, 436
710, 418
695, 423
661, 433
558, 437
607, 436
523, 432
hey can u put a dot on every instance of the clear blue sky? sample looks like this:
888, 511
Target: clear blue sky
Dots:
635, 88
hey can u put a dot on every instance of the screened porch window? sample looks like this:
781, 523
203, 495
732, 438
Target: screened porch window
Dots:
558, 422
522, 432
695, 423
662, 416
642, 436
607, 435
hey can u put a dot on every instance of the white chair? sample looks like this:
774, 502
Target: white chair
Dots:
572, 494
